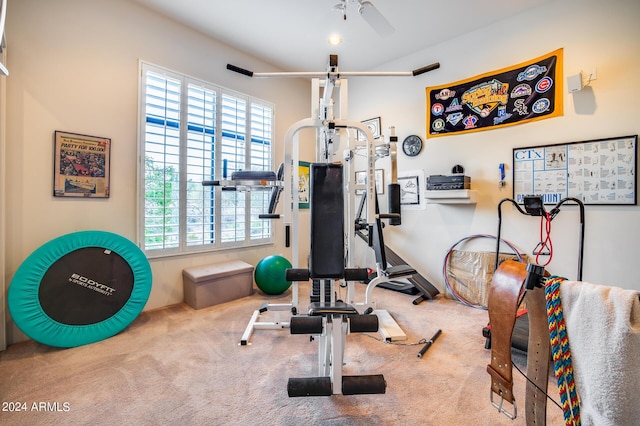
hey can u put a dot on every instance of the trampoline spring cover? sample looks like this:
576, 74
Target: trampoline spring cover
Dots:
42, 292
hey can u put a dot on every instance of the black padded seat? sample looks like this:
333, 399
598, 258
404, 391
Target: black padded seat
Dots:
339, 308
399, 270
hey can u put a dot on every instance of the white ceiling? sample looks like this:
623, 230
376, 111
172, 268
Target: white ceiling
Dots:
292, 34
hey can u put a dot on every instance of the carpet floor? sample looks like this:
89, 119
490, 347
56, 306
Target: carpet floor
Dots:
177, 365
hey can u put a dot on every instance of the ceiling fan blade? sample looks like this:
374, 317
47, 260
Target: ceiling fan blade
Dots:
375, 19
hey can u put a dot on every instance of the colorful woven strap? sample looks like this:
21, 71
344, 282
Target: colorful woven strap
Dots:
561, 352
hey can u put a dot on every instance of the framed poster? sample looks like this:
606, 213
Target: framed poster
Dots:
379, 173
409, 190
303, 184
600, 171
81, 165
361, 179
374, 124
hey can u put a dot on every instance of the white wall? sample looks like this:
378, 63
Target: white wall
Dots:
593, 34
74, 68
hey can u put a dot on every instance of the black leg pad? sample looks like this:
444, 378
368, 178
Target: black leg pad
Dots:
361, 385
363, 323
356, 274
309, 386
296, 274
394, 202
305, 325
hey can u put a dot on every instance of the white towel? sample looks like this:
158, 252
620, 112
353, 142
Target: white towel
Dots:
603, 325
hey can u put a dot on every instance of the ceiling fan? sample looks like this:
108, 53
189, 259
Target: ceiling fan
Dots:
370, 13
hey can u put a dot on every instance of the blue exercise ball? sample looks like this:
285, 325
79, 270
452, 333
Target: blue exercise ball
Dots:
270, 276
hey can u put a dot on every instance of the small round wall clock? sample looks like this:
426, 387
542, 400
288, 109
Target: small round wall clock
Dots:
412, 145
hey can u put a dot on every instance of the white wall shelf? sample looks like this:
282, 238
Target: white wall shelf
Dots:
453, 196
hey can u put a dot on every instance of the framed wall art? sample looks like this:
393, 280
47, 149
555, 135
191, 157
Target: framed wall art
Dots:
379, 173
374, 124
81, 165
412, 195
361, 179
409, 190
303, 184
599, 171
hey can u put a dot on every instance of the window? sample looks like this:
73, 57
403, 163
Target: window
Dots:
191, 131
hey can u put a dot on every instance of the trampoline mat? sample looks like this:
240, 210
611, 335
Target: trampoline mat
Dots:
86, 286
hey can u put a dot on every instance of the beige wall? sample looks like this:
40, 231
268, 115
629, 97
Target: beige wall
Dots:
607, 108
74, 68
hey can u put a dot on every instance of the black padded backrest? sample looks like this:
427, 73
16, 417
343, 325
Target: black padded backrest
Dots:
326, 258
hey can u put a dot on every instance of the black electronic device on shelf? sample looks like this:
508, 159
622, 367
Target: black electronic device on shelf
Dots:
452, 182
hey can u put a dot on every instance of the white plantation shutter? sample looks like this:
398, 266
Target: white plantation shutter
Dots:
161, 161
200, 159
260, 158
193, 131
234, 153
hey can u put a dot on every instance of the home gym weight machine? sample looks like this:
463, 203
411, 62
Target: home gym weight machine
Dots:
333, 81
332, 232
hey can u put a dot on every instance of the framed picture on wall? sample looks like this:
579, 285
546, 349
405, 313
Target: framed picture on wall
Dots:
81, 165
599, 171
361, 179
409, 190
379, 181
374, 124
303, 184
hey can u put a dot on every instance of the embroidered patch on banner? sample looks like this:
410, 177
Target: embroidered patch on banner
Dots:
519, 94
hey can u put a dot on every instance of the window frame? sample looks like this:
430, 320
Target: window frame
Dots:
183, 248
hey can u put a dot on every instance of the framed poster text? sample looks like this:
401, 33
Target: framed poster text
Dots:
81, 165
600, 171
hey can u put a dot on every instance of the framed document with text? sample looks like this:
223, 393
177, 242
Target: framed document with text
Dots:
600, 171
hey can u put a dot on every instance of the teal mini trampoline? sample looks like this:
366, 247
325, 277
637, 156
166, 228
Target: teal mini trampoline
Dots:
79, 288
